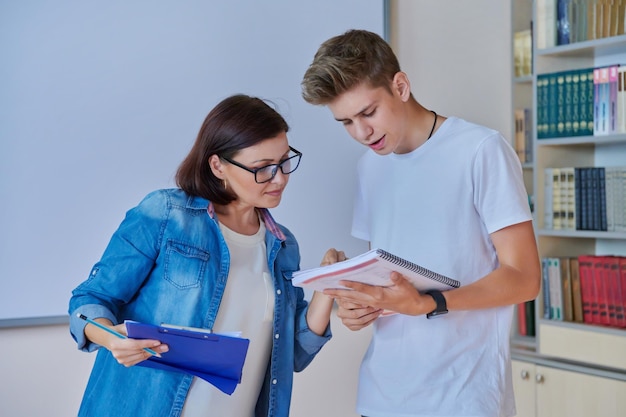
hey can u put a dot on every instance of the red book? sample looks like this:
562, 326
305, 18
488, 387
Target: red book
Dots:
600, 278
615, 290
522, 328
611, 273
622, 267
587, 290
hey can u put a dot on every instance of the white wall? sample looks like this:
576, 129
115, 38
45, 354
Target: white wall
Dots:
457, 55
101, 101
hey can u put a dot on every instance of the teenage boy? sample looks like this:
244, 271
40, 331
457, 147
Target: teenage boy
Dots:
448, 195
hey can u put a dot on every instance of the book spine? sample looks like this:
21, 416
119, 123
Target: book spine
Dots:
528, 137
570, 199
619, 207
563, 23
602, 198
587, 102
560, 105
530, 318
569, 117
556, 301
545, 280
615, 307
522, 329
613, 127
622, 279
594, 197
552, 105
601, 289
621, 99
548, 200
576, 290
566, 290
609, 179
577, 199
586, 287
575, 103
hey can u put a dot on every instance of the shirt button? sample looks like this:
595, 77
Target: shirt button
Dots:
274, 381
276, 336
278, 292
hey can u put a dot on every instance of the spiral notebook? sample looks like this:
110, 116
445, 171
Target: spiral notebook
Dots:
373, 267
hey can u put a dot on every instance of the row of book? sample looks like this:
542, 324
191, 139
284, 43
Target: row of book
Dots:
526, 319
581, 102
588, 289
561, 22
523, 143
522, 53
585, 198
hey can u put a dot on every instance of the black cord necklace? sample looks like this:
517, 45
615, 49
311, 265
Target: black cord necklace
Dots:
434, 124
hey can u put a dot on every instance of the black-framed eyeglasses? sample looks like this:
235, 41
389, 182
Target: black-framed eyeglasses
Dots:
267, 172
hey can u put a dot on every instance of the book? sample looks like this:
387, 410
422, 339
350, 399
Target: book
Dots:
545, 287
601, 101
548, 199
586, 101
622, 280
602, 291
522, 53
373, 267
529, 307
522, 327
546, 23
557, 221
587, 289
613, 101
577, 303
216, 358
621, 99
563, 22
556, 293
566, 290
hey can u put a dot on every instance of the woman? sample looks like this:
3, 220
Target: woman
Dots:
206, 255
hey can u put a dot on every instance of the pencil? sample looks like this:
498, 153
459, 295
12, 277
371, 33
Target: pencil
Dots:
113, 332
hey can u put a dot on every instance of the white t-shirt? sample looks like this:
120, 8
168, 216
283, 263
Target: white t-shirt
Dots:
247, 306
436, 206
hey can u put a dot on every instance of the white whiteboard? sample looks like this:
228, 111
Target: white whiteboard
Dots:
101, 100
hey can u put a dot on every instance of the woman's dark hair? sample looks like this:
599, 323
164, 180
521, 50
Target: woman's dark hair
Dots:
237, 122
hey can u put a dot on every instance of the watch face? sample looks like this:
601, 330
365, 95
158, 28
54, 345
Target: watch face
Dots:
436, 313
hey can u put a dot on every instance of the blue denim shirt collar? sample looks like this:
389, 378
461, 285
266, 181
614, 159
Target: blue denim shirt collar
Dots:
270, 223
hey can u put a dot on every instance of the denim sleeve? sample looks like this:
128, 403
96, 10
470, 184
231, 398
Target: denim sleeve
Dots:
125, 264
308, 343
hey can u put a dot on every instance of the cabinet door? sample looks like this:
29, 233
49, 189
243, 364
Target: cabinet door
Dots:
524, 388
570, 394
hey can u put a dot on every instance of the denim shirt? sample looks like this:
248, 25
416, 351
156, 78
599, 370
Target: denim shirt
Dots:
168, 263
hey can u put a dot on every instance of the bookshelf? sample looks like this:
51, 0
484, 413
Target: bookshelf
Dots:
522, 100
559, 371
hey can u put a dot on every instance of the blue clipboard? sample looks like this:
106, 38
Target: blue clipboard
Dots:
218, 359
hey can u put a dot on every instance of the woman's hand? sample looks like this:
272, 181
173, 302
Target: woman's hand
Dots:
127, 352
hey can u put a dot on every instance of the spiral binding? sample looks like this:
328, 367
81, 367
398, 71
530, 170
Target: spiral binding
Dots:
416, 268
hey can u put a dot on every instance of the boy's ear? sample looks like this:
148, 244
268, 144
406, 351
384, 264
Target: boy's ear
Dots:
216, 166
401, 85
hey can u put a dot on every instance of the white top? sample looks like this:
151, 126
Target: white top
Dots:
247, 306
436, 206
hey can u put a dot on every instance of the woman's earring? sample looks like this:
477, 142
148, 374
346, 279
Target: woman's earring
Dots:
225, 184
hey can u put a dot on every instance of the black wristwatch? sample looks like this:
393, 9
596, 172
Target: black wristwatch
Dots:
441, 308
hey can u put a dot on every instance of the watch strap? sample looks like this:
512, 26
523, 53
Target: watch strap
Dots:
440, 301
